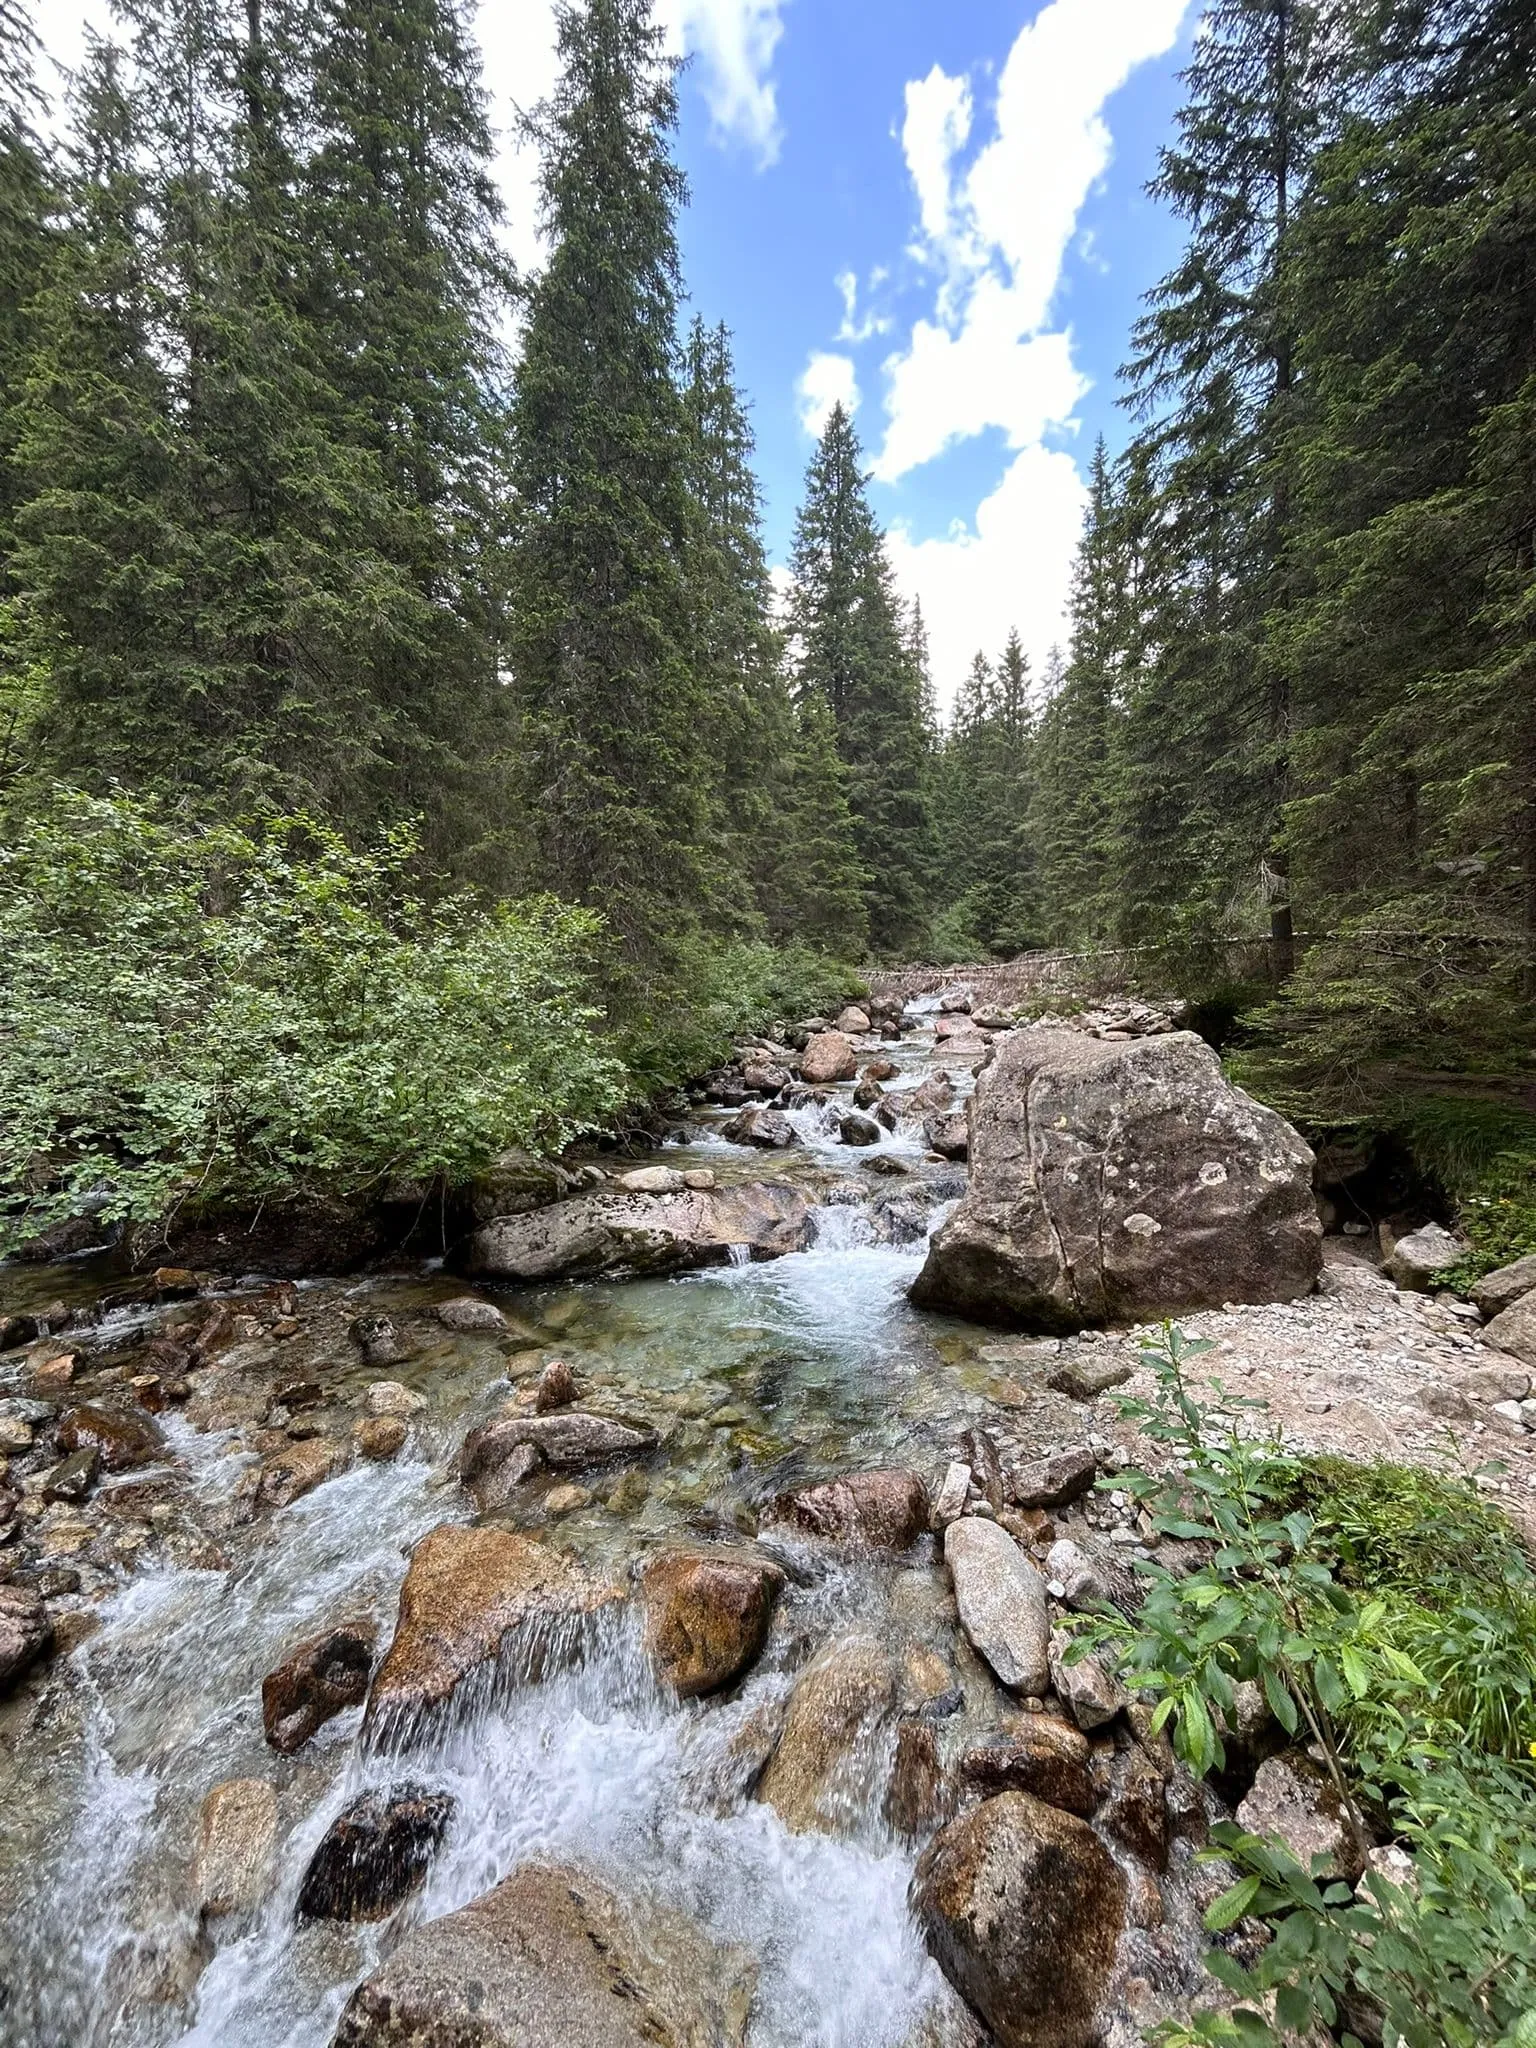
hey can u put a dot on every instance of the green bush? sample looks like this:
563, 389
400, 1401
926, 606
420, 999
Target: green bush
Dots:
221, 1016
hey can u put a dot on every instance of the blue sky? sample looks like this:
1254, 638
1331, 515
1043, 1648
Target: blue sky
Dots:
935, 208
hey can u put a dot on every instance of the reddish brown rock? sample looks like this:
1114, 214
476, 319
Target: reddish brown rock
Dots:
707, 1616
1043, 1756
321, 1677
829, 1056
886, 1510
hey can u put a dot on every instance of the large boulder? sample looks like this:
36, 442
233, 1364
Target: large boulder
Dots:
829, 1056
1114, 1180
1498, 1291
1417, 1260
1002, 1600
768, 1129
1022, 1908
1043, 1756
123, 1438
707, 1615
1514, 1329
883, 1510
613, 1234
25, 1633
472, 1596
552, 1955
818, 1778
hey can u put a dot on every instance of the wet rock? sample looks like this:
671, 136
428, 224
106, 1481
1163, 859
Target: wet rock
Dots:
828, 1057
612, 1234
980, 1453
467, 1313
517, 1184
73, 1477
885, 1510
1091, 1694
867, 1094
1291, 1798
1418, 1259
389, 1397
380, 1437
1022, 1908
1133, 1810
566, 1499
1053, 1482
1113, 1181
1498, 1291
949, 1501
472, 1596
955, 1002
707, 1616
761, 1078
497, 1481
53, 1375
819, 1777
854, 1129
915, 1105
879, 1070
322, 1677
1514, 1330
26, 1634
1043, 1756
1084, 1377
556, 1388
1002, 1603
378, 1340
853, 1021
569, 1441
917, 1799
769, 1129
291, 1473
237, 1839
948, 1135
653, 1180
552, 1955
375, 1854
15, 1434
123, 1439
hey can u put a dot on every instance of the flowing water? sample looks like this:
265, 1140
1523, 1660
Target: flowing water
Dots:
760, 1377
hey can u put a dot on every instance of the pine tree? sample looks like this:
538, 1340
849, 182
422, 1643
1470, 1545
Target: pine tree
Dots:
24, 206
846, 623
986, 809
617, 720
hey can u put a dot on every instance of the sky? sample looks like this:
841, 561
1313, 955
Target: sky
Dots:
933, 210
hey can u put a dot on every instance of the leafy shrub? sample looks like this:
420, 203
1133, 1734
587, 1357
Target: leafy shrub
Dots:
1395, 1668
224, 1016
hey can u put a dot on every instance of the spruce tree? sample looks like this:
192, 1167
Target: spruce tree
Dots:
616, 719
850, 649
24, 205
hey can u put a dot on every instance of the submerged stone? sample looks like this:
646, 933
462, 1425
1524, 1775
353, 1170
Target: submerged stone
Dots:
375, 1854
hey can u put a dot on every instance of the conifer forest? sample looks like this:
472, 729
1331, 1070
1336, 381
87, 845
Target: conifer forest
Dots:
540, 1040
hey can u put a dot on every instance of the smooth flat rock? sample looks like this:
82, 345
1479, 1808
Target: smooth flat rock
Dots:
1115, 1180
553, 1958
613, 1234
568, 1440
470, 1597
1002, 1602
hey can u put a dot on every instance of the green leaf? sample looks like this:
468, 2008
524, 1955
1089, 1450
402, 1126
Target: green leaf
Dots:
1226, 1911
1293, 2008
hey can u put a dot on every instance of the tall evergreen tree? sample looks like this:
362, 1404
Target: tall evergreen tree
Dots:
851, 650
616, 716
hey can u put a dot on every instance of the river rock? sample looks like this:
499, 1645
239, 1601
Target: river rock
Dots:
123, 1438
470, 1597
321, 1677
915, 1105
73, 1477
1091, 1694
829, 1056
653, 1180
25, 1634
1133, 1810
380, 1438
1291, 1798
517, 1183
768, 1129
1418, 1259
1002, 1602
569, 1441
378, 1340
556, 1388
980, 1453
612, 1234
819, 1777
853, 1021
884, 1510
949, 1502
552, 1955
1055, 1481
947, 1134
918, 1796
375, 1854
296, 1470
1500, 1290
955, 1002
1084, 1582
707, 1616
467, 1314
1086, 1375
1112, 1181
878, 1070
1044, 1756
1514, 1330
854, 1129
761, 1077
237, 1839
1022, 1908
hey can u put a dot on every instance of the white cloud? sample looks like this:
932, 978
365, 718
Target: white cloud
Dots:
1012, 567
996, 232
827, 380
735, 41
853, 329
